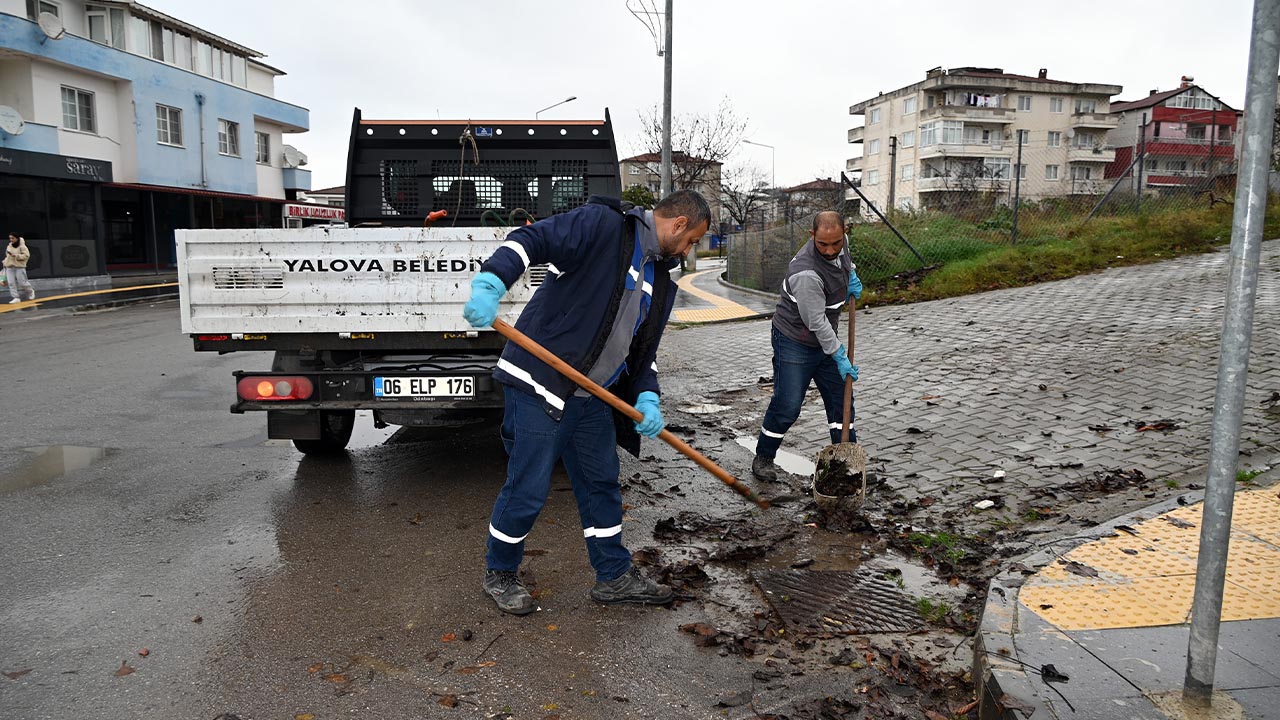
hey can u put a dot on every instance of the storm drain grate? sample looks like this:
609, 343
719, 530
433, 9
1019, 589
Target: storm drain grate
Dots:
837, 601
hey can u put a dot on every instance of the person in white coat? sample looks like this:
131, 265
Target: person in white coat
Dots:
16, 256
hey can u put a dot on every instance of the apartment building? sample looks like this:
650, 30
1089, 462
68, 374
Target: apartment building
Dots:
954, 137
125, 123
646, 170
1186, 137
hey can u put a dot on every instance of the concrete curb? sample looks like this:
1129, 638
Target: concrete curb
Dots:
720, 279
1006, 691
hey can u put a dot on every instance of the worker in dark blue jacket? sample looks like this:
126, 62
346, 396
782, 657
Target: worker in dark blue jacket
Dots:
602, 309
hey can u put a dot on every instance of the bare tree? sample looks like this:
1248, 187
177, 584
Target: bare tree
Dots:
744, 190
698, 141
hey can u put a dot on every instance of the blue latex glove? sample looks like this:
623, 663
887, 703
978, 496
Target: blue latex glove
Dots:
652, 424
855, 285
482, 308
843, 365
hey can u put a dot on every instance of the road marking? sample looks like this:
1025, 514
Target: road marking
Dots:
33, 303
723, 309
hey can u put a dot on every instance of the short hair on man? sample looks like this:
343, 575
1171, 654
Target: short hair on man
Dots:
687, 203
827, 218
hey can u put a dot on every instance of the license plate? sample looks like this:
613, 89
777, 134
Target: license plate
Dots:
424, 386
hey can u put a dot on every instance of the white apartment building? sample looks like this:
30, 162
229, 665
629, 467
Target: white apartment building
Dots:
954, 137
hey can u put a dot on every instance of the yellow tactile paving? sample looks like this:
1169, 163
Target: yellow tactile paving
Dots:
723, 309
1148, 579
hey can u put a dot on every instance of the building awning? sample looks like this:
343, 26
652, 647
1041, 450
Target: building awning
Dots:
58, 167
194, 191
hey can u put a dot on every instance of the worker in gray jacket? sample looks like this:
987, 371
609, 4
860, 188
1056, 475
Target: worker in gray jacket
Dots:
820, 279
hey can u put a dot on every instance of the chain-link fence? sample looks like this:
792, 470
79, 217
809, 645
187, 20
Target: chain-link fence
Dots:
948, 202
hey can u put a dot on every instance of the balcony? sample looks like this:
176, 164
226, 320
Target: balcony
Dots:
855, 134
1101, 121
853, 164
1101, 153
968, 150
970, 114
943, 184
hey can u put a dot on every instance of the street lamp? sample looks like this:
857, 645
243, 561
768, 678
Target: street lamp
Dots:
773, 180
568, 99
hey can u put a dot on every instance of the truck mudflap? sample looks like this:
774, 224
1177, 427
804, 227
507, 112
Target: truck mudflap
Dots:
379, 390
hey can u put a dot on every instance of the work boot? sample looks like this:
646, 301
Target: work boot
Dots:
764, 469
631, 587
505, 589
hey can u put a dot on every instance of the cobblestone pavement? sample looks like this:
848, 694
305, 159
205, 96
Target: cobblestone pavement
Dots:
1055, 383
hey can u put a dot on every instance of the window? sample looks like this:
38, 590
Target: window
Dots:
1022, 171
908, 173
909, 105
634, 170
929, 101
1153, 164
873, 177
929, 134
873, 147
77, 110
35, 7
1050, 172
952, 132
1086, 106
1055, 139
183, 59
168, 125
106, 25
996, 168
157, 41
139, 36
228, 138
1024, 136
1055, 104
1024, 103
907, 139
1084, 140
1081, 172
1177, 165
875, 116
262, 142
1195, 132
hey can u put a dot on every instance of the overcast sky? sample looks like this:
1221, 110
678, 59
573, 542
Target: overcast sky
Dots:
791, 68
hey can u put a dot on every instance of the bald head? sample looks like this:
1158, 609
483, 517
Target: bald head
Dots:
828, 234
828, 219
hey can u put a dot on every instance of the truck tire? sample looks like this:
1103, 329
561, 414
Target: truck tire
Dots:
335, 433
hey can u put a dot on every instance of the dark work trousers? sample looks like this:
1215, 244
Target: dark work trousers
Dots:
794, 365
584, 439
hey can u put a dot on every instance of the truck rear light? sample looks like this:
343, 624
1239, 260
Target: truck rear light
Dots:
274, 387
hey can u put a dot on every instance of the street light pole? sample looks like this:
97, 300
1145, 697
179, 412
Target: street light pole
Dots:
666, 107
571, 98
773, 178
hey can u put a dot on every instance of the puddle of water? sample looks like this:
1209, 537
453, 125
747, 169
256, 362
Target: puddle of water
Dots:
364, 434
790, 462
51, 463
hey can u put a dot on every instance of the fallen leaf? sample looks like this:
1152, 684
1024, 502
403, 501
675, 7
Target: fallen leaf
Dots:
448, 637
314, 668
448, 701
934, 716
550, 706
553, 628
336, 678
125, 669
144, 652
304, 716
17, 674
197, 619
417, 519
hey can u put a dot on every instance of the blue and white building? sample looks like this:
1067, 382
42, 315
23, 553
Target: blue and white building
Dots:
120, 124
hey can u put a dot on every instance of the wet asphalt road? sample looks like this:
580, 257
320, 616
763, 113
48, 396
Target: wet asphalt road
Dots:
266, 585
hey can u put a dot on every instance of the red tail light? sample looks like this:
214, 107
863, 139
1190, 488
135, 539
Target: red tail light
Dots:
274, 387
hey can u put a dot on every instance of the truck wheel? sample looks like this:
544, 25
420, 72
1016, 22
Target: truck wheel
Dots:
335, 433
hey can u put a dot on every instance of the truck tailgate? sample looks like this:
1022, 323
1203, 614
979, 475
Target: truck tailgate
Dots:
336, 280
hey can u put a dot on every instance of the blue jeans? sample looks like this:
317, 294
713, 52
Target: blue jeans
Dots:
584, 439
794, 365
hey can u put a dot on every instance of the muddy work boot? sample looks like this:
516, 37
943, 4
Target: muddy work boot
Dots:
505, 589
631, 587
764, 469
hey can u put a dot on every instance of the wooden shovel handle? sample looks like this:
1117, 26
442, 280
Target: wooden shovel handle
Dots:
594, 388
848, 381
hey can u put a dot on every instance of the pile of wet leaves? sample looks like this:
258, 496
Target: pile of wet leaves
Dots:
1109, 480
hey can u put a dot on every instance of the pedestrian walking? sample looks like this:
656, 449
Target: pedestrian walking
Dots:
602, 309
806, 347
16, 256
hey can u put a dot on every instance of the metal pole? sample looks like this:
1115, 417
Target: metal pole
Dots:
1017, 191
1142, 159
893, 167
1237, 335
666, 107
849, 183
1213, 146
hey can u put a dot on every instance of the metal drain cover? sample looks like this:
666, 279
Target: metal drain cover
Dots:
837, 601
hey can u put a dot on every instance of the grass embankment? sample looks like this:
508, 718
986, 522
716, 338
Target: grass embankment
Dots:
975, 257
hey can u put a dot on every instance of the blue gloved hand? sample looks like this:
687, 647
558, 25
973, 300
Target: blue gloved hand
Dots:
482, 308
652, 423
843, 365
855, 285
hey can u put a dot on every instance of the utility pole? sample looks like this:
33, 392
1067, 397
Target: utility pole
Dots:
666, 106
1017, 190
1213, 146
1142, 158
893, 170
